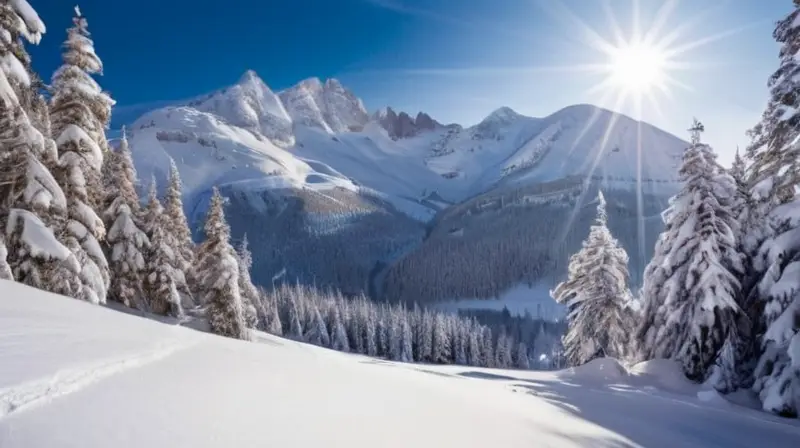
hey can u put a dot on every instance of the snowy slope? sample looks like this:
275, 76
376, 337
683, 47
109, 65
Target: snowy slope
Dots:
328, 106
507, 148
210, 151
252, 105
328, 124
76, 375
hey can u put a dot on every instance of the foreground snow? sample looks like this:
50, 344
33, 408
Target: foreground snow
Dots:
83, 376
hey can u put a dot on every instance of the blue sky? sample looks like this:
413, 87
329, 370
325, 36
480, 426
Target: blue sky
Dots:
457, 60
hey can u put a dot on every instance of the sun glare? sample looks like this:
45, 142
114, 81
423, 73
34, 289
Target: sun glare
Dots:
637, 67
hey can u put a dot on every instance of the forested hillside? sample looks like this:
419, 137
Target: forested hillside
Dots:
484, 246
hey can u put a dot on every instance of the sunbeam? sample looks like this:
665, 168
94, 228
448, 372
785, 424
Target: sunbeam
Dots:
640, 70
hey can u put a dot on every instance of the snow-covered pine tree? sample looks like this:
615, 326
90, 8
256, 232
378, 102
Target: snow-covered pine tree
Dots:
773, 177
338, 333
737, 359
395, 342
406, 351
79, 113
503, 357
152, 210
317, 332
179, 227
295, 325
126, 240
738, 168
487, 348
689, 290
272, 320
595, 294
370, 329
159, 284
246, 286
78, 101
5, 269
474, 354
521, 361
441, 342
460, 337
30, 195
771, 150
218, 272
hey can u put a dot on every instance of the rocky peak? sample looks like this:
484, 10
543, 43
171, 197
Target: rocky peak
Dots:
403, 125
250, 77
252, 105
329, 106
502, 115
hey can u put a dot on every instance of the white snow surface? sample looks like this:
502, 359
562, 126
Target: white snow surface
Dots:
318, 135
77, 375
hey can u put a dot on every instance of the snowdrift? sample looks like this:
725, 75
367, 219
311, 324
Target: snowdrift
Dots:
77, 375
606, 370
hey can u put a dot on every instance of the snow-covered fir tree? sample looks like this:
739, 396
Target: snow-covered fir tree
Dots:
773, 176
503, 356
338, 333
738, 168
269, 307
487, 348
595, 294
248, 289
406, 349
295, 325
317, 332
5, 269
771, 151
126, 241
159, 284
690, 292
75, 106
179, 227
29, 193
521, 360
218, 274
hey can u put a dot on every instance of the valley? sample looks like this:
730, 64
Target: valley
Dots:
410, 209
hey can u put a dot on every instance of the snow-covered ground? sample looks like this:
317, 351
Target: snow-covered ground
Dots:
76, 375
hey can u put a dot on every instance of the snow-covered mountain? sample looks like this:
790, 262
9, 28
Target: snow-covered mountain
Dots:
327, 106
313, 149
403, 125
252, 105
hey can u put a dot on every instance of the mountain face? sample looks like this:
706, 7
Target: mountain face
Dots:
328, 106
251, 105
404, 203
402, 125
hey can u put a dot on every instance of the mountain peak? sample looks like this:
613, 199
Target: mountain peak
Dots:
313, 84
333, 83
503, 114
249, 76
402, 125
329, 106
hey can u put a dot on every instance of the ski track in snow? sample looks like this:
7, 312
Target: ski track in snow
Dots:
64, 382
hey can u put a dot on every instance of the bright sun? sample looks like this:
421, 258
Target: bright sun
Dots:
637, 67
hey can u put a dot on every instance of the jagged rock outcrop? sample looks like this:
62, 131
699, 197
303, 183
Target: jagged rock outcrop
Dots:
403, 125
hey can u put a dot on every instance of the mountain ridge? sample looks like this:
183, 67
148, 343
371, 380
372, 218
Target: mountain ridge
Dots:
312, 176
